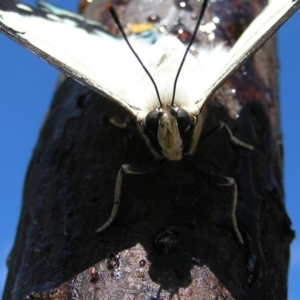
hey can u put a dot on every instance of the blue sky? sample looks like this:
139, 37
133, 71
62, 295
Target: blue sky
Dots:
27, 85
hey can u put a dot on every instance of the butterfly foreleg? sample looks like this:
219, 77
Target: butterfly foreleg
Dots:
125, 169
234, 139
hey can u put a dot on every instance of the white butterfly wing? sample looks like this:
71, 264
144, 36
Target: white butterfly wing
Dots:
106, 65
258, 32
96, 59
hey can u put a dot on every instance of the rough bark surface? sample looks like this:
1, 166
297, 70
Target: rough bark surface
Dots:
172, 238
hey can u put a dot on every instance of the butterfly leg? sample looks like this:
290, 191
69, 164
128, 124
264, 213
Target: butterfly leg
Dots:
226, 181
234, 139
125, 169
117, 122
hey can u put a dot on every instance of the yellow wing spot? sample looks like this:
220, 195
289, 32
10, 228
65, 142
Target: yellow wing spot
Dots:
139, 28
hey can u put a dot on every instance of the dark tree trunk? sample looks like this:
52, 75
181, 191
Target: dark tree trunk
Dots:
172, 237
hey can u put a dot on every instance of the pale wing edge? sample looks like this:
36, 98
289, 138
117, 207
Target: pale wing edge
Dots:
68, 70
257, 33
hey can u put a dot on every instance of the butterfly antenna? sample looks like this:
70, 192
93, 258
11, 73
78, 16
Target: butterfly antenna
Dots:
114, 15
203, 8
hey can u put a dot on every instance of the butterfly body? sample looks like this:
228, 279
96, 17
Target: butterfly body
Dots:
162, 60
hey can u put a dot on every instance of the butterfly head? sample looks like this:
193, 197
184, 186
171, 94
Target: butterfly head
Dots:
167, 129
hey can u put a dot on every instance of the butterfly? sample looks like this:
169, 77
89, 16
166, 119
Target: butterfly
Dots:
170, 115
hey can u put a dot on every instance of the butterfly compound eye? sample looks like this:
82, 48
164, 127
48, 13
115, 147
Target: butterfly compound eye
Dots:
152, 121
183, 120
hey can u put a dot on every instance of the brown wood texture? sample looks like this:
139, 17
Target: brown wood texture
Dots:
172, 238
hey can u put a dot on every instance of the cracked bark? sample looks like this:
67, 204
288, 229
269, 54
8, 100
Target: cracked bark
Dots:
172, 237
